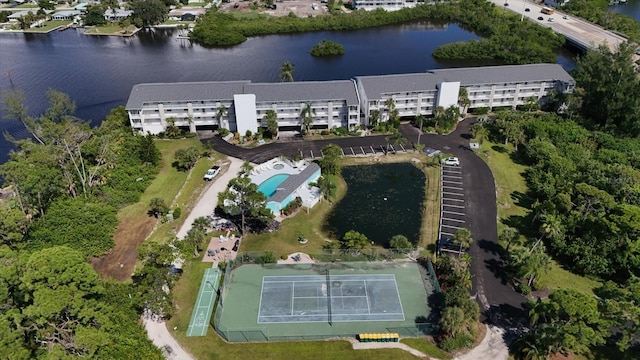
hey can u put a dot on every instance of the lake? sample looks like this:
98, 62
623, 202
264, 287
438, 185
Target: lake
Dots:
98, 72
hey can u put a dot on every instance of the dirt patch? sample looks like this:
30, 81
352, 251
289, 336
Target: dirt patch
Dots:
118, 263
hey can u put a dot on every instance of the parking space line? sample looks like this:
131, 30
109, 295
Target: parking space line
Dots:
452, 182
452, 187
451, 226
455, 206
454, 220
458, 200
446, 233
454, 213
452, 176
451, 193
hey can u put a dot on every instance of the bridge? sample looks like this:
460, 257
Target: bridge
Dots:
578, 32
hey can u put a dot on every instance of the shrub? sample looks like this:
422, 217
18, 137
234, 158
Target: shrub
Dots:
327, 48
341, 131
524, 289
325, 132
457, 342
223, 132
480, 111
176, 213
266, 258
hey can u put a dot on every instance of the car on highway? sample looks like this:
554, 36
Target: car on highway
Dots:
451, 161
540, 18
550, 19
527, 10
565, 17
506, 4
211, 173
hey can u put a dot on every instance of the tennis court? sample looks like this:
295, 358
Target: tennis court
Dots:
274, 302
201, 315
314, 298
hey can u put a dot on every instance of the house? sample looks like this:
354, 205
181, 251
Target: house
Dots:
388, 5
117, 15
18, 14
66, 15
242, 105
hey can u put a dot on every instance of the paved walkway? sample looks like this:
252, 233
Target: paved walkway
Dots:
161, 337
209, 200
492, 347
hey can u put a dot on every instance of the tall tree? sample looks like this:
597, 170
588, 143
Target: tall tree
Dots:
610, 84
330, 161
354, 240
242, 197
286, 71
463, 238
221, 112
306, 117
271, 118
463, 99
147, 13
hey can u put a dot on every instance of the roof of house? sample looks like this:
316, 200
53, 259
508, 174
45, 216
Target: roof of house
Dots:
376, 86
293, 182
187, 91
19, 14
67, 13
224, 91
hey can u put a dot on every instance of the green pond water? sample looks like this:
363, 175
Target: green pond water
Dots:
381, 201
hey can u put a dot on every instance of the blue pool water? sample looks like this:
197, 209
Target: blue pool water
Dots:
269, 186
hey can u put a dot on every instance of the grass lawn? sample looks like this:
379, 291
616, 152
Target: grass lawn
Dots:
213, 346
109, 30
285, 241
427, 347
510, 187
48, 26
134, 225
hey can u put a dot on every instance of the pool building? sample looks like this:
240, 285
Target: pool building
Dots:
282, 181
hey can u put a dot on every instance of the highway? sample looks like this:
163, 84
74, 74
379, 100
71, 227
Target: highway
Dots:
578, 31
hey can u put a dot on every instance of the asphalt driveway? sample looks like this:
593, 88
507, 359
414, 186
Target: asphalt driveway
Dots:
493, 293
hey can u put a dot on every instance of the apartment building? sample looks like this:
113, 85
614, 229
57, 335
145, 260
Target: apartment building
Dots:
242, 105
488, 86
388, 5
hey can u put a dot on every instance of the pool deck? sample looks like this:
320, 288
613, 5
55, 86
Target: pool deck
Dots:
264, 171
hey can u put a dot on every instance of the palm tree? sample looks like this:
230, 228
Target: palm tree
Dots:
326, 186
438, 114
157, 207
246, 168
201, 223
194, 238
306, 114
286, 71
221, 111
271, 118
374, 118
479, 132
463, 237
396, 138
390, 104
463, 99
419, 120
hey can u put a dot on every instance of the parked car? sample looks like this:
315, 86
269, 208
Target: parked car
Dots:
506, 4
551, 19
527, 10
211, 173
565, 17
451, 161
540, 18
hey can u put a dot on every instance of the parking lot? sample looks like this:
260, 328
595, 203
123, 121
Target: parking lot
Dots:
452, 207
302, 8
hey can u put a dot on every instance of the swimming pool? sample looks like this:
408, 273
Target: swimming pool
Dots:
269, 186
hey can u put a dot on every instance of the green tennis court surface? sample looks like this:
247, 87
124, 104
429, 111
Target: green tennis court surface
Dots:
324, 300
201, 314
313, 298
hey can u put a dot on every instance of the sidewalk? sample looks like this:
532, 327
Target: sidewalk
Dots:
161, 337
